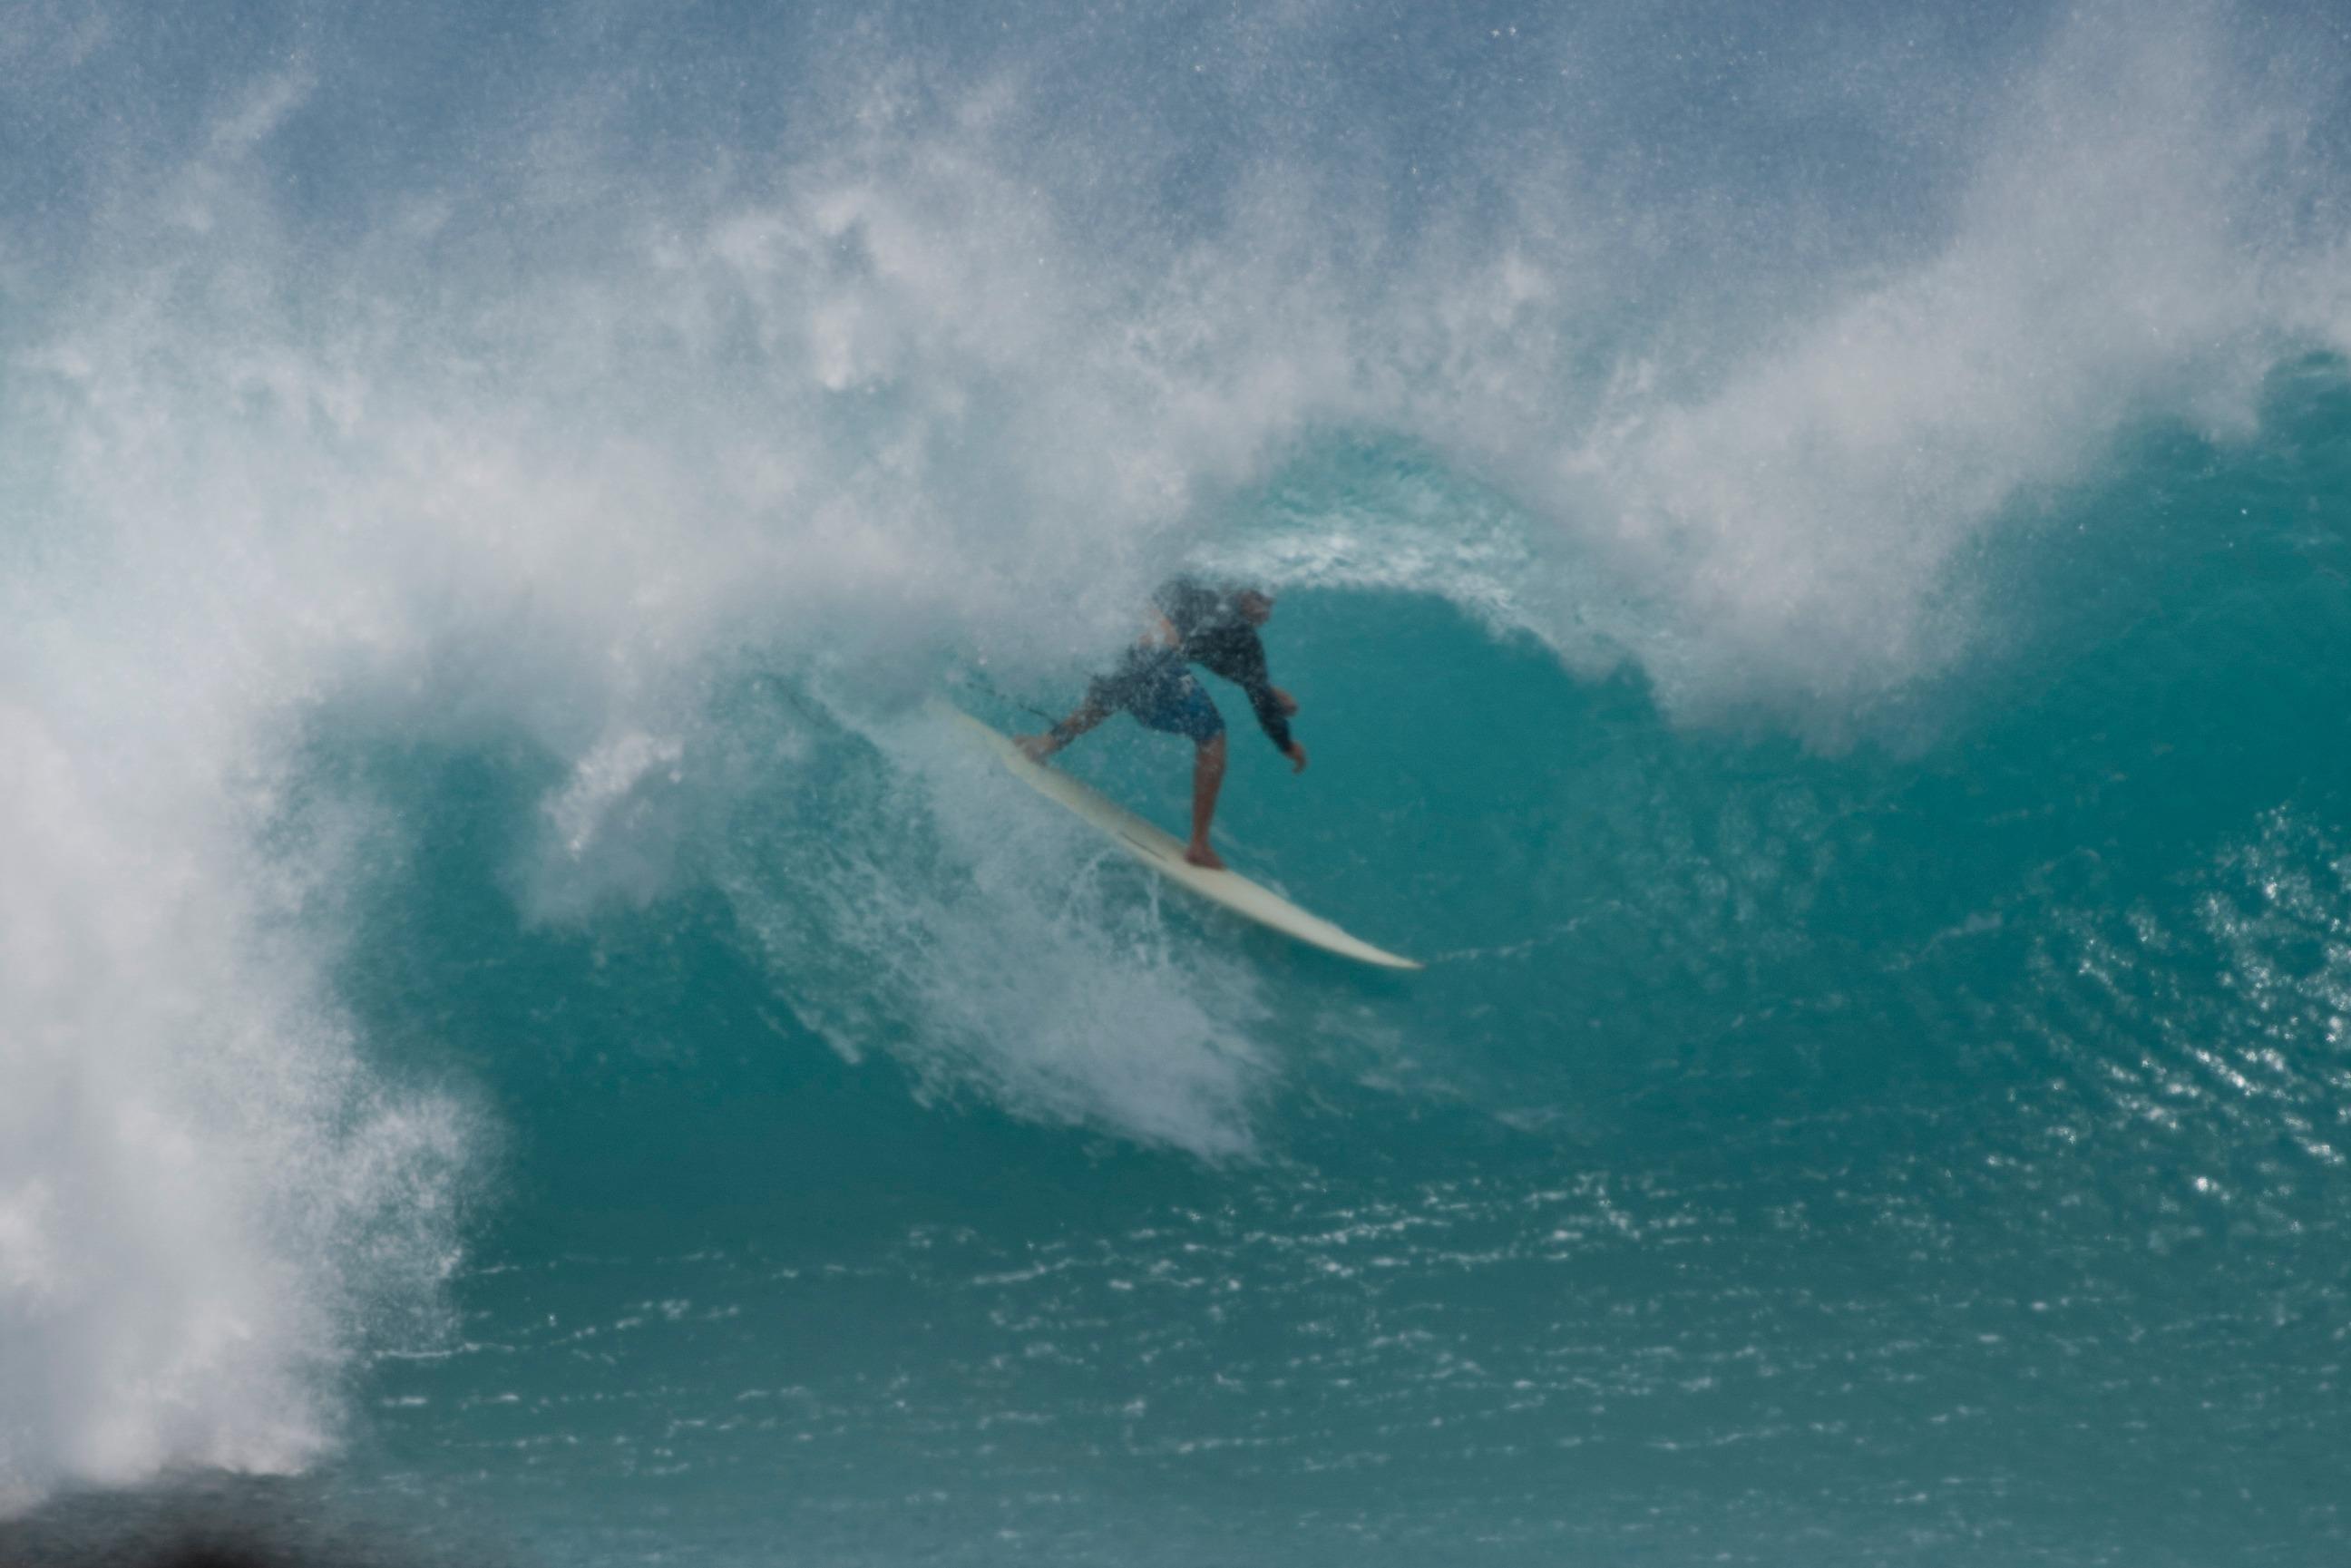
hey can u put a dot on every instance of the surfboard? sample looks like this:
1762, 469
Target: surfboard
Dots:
1163, 852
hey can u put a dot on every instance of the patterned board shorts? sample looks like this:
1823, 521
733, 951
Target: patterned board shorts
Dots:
1171, 699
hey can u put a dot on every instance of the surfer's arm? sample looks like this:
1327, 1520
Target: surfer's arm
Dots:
1272, 718
1288, 706
1238, 655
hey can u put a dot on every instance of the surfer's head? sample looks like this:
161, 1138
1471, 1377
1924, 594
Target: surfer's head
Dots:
1254, 605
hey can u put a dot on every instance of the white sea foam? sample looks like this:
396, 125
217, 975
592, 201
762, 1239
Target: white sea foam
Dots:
203, 1203
2106, 262
1772, 503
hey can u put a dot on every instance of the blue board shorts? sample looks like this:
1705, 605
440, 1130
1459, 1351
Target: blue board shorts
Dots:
1181, 707
1167, 698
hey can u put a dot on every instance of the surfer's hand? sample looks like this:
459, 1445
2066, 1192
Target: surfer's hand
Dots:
1297, 755
1286, 703
1035, 747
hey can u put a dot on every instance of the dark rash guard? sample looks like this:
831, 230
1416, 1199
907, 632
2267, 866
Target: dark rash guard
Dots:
1212, 633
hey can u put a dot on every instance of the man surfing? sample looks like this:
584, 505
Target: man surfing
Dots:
1191, 623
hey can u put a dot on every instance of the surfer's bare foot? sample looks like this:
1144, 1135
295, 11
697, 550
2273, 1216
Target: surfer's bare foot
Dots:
1204, 857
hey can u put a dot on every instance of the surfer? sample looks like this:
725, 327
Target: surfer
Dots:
1191, 623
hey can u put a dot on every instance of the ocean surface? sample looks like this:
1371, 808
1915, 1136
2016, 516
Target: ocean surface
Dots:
1814, 548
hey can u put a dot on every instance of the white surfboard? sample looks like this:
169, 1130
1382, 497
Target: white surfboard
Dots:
1163, 852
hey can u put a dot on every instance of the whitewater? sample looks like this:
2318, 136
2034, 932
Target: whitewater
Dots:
1814, 548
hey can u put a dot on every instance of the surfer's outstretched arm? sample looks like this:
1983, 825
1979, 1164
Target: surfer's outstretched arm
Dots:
1237, 654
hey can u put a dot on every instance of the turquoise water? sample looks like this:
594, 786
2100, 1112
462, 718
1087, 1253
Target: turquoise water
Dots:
1897, 1154
1815, 558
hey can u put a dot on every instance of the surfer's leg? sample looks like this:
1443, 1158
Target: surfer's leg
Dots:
1172, 702
1146, 680
1207, 778
1184, 708
1099, 705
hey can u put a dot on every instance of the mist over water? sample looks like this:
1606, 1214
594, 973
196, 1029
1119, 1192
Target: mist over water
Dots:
1811, 549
